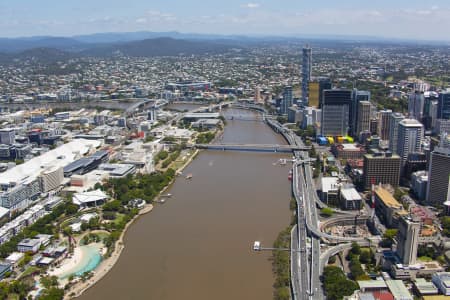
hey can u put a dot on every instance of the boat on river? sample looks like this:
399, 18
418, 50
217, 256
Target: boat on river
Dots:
189, 176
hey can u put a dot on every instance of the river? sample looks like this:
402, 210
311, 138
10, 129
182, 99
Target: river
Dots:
198, 244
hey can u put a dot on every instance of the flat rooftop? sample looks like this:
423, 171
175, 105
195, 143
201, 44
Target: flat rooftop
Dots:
398, 289
387, 198
350, 194
59, 157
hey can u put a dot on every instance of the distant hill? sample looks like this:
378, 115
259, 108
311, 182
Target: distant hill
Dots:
144, 48
21, 44
42, 55
116, 37
158, 47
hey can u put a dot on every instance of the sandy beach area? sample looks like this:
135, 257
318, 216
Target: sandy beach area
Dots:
107, 264
68, 264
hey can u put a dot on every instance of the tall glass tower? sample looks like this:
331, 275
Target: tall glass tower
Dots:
306, 71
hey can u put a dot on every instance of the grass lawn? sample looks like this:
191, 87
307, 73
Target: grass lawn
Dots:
29, 271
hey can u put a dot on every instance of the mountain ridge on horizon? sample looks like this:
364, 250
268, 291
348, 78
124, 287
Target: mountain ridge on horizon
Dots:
149, 44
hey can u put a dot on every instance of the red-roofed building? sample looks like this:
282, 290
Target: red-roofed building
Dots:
383, 295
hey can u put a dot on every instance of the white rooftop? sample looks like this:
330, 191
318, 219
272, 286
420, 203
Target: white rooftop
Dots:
350, 194
15, 257
87, 197
59, 157
365, 284
329, 183
350, 147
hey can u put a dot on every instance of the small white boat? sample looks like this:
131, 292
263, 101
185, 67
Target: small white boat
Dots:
257, 246
189, 176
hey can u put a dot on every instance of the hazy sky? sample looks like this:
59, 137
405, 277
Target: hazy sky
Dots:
417, 19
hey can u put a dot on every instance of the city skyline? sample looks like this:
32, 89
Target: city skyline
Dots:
412, 19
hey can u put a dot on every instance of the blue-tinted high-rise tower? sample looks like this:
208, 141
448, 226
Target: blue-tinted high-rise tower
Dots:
287, 100
443, 111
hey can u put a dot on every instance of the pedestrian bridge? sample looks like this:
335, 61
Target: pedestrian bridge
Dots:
251, 147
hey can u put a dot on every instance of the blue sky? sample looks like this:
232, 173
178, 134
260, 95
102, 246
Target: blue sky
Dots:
416, 19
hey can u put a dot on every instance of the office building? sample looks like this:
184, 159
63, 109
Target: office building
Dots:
287, 100
20, 196
336, 114
306, 71
7, 136
350, 199
438, 174
394, 120
311, 117
433, 113
388, 209
295, 115
374, 126
442, 126
416, 102
384, 123
315, 92
416, 161
51, 178
419, 183
363, 120
358, 96
410, 137
408, 240
443, 111
381, 168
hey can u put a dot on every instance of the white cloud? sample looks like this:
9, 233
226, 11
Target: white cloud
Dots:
251, 5
141, 20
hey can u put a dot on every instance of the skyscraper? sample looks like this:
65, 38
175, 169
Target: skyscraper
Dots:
416, 102
410, 136
384, 123
438, 175
443, 111
306, 71
287, 100
358, 96
336, 117
394, 120
433, 114
408, 240
363, 122
316, 88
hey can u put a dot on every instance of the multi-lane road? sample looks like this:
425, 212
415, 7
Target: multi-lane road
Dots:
306, 283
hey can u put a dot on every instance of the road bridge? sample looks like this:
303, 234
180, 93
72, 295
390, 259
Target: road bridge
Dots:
248, 147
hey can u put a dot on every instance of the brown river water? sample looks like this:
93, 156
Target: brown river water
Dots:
197, 245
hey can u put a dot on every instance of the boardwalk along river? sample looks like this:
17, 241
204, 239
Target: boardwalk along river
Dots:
198, 244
